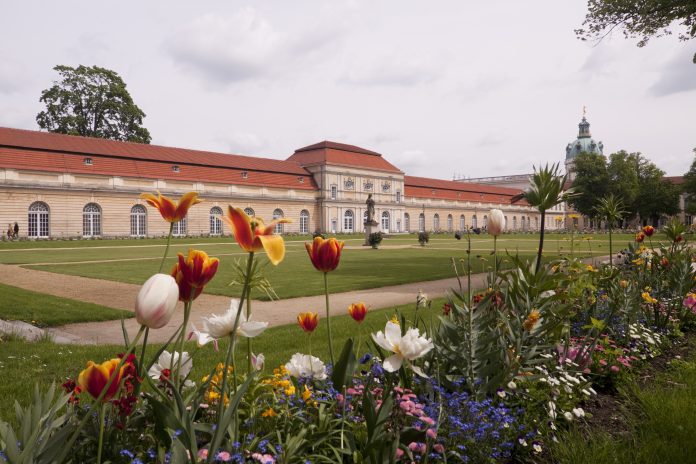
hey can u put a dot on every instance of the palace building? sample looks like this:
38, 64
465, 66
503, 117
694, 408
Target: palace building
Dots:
59, 186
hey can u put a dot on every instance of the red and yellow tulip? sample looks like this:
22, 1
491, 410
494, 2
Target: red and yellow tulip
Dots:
325, 254
648, 231
308, 321
357, 311
95, 377
170, 211
253, 235
640, 236
193, 272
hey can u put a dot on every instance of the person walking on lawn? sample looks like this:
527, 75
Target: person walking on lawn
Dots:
16, 231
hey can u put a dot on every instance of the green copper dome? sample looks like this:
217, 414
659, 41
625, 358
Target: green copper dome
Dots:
584, 142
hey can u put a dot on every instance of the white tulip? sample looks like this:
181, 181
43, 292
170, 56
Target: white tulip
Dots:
156, 301
409, 347
496, 222
257, 361
170, 361
306, 366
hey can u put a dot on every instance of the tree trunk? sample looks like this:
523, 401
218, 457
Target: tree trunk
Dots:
541, 241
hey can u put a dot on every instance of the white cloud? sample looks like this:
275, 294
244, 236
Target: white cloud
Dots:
390, 73
245, 46
678, 75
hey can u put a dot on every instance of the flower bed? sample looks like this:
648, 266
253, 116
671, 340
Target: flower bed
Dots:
493, 377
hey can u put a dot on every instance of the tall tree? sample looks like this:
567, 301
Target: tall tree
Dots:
623, 180
591, 182
92, 102
689, 188
656, 195
641, 19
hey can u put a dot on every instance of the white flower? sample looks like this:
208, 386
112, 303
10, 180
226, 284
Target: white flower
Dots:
568, 416
512, 385
579, 412
547, 294
306, 366
536, 447
409, 347
522, 441
257, 361
156, 301
216, 326
202, 338
496, 222
501, 393
170, 362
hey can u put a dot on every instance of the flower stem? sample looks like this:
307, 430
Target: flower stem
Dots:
328, 317
229, 358
182, 339
102, 412
248, 315
166, 250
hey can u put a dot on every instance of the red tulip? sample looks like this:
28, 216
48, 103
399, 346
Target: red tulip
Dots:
357, 311
325, 254
193, 273
308, 321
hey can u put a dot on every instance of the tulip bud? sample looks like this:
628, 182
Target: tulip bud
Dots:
156, 301
496, 222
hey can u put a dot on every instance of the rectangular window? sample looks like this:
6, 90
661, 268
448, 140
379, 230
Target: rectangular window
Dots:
334, 192
398, 196
179, 228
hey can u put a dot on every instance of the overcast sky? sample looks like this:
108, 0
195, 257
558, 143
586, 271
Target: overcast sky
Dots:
437, 87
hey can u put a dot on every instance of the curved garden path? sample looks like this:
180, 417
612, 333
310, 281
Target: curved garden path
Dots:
122, 296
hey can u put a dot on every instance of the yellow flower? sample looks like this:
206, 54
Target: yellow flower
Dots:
638, 262
306, 394
623, 284
591, 269
647, 298
269, 413
531, 320
394, 319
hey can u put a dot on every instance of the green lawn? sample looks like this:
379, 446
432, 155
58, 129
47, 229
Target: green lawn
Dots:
133, 261
17, 304
662, 424
22, 364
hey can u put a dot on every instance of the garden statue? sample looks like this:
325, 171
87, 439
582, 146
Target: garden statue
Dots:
370, 219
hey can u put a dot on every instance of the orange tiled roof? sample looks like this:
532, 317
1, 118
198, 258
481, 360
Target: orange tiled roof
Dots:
22, 149
94, 146
678, 180
343, 155
424, 187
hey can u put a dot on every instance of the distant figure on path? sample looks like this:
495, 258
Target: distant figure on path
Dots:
16, 230
9, 231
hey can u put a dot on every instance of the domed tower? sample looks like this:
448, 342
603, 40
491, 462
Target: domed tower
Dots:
584, 143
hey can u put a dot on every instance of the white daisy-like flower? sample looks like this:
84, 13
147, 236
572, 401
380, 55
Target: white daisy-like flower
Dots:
220, 326
579, 412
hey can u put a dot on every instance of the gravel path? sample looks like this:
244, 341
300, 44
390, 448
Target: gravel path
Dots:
122, 296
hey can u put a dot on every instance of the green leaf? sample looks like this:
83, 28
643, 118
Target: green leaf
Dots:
345, 367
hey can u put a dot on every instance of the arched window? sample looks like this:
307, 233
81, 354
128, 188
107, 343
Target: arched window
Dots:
485, 221
38, 220
304, 221
474, 221
278, 214
348, 221
385, 221
407, 222
436, 222
215, 220
505, 226
514, 222
365, 217
421, 222
449, 223
91, 220
138, 221
462, 222
536, 223
179, 229
249, 212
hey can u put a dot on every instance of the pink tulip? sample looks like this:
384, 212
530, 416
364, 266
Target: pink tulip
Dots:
156, 301
496, 222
